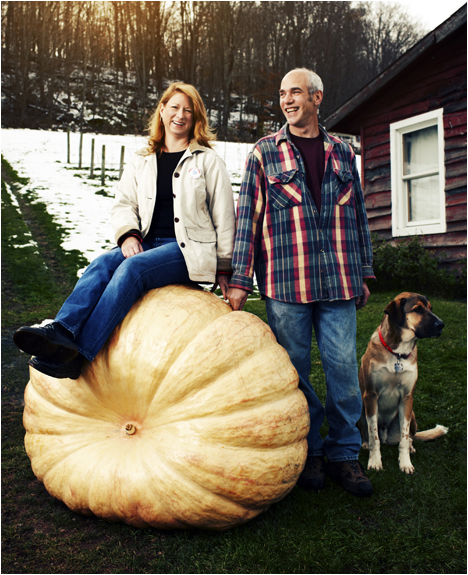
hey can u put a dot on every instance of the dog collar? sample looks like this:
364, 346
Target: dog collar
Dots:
398, 355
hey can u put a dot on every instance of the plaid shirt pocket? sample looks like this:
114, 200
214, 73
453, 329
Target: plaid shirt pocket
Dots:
344, 186
284, 189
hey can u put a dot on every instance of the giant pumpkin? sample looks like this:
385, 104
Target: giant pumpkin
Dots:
190, 416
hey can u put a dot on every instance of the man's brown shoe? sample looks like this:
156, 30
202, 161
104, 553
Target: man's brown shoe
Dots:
350, 475
313, 475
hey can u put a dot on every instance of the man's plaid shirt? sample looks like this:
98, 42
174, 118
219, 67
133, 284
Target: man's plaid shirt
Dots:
299, 255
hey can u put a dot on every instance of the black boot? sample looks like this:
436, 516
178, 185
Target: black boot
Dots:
47, 340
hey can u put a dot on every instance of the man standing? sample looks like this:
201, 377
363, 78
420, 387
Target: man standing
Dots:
302, 228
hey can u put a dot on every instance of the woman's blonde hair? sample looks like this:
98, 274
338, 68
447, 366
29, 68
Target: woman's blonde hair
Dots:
200, 131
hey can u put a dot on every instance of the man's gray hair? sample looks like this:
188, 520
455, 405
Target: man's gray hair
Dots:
314, 82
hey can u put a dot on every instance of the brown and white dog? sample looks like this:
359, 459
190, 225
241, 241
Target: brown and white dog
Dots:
387, 378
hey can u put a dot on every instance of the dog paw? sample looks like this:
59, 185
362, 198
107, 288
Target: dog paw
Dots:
407, 468
375, 464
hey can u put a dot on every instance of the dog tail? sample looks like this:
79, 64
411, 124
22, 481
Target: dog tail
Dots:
430, 434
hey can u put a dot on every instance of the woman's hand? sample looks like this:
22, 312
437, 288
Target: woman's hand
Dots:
131, 246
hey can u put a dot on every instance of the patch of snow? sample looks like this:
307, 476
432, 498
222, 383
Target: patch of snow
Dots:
14, 201
80, 204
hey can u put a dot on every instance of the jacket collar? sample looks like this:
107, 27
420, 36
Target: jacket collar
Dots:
194, 146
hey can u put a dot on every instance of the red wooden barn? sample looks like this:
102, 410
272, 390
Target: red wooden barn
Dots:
411, 121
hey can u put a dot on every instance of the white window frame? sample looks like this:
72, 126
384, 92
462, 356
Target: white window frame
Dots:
400, 224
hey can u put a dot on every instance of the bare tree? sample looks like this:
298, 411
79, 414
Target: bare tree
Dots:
105, 55
388, 32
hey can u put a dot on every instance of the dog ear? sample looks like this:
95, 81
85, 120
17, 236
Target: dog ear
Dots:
396, 311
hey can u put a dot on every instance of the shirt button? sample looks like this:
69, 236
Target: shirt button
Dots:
176, 175
182, 245
176, 220
322, 251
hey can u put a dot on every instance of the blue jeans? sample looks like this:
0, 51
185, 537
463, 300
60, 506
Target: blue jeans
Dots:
334, 324
110, 286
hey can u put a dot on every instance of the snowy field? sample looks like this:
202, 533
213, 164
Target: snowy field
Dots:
78, 203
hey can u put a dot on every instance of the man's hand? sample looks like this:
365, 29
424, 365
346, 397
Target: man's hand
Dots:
222, 280
362, 300
131, 247
237, 298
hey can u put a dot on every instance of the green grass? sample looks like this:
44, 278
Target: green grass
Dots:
37, 272
412, 524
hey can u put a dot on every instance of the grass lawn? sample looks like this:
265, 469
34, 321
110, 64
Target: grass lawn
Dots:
412, 524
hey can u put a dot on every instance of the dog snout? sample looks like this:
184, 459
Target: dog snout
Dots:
431, 327
439, 326
436, 328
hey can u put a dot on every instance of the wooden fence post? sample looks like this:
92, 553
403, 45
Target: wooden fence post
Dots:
122, 154
80, 156
68, 145
91, 171
103, 165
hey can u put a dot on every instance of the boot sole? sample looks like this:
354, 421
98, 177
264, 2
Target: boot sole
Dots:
55, 372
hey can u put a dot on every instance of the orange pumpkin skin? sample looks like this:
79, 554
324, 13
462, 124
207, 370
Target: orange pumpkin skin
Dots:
190, 416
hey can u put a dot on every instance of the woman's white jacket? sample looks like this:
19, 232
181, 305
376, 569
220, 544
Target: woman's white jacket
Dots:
204, 218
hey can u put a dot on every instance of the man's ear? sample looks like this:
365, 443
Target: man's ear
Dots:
317, 97
396, 311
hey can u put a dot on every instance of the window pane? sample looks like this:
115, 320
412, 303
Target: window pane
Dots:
420, 151
423, 199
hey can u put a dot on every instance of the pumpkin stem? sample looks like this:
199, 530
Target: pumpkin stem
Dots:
130, 429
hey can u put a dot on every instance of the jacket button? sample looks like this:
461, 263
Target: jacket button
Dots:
176, 220
182, 245
174, 195
176, 175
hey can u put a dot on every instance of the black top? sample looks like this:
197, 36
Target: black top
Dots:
162, 224
313, 154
